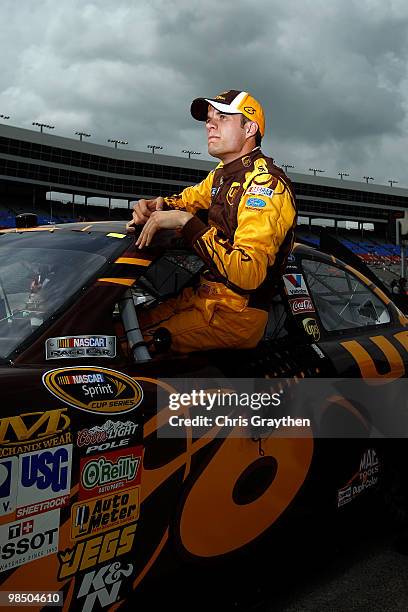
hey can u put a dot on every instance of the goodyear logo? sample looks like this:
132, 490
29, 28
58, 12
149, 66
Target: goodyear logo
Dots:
93, 389
255, 203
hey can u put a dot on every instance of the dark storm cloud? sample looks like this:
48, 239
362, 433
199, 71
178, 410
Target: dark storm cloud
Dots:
331, 75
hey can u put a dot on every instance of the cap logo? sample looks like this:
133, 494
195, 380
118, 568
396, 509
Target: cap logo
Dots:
219, 98
250, 110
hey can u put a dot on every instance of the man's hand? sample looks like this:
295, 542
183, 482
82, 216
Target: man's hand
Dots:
162, 219
142, 209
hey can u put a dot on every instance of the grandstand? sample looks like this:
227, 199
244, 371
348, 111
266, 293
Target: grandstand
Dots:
36, 167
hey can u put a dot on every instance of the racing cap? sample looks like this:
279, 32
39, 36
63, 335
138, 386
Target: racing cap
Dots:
231, 102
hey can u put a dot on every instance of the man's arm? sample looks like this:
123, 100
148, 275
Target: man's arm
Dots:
263, 222
193, 198
190, 200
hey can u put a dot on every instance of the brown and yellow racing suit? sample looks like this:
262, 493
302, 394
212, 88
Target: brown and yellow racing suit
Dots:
250, 231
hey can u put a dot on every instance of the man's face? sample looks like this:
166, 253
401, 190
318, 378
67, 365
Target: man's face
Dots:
225, 134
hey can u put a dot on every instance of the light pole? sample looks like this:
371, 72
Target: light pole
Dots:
391, 182
43, 125
4, 116
314, 170
116, 142
286, 166
368, 178
190, 153
341, 174
154, 147
82, 134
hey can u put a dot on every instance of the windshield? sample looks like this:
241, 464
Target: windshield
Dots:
39, 273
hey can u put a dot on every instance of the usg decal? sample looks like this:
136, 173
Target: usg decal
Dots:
35, 482
72, 347
44, 475
96, 390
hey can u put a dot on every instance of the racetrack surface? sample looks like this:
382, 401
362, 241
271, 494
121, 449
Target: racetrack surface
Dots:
366, 574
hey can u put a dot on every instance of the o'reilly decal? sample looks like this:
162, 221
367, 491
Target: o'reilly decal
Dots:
97, 390
69, 347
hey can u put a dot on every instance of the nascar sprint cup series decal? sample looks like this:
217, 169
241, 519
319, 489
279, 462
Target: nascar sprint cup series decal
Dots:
68, 347
93, 389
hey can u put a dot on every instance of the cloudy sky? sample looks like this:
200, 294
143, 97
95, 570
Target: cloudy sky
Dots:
331, 74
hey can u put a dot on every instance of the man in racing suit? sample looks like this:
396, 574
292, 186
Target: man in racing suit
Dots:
251, 220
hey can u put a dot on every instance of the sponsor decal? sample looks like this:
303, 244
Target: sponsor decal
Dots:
246, 161
33, 431
44, 475
255, 203
295, 284
365, 478
93, 389
232, 192
28, 539
259, 190
95, 551
318, 350
101, 587
110, 472
45, 506
300, 305
103, 513
312, 328
80, 346
291, 258
8, 485
36, 482
105, 437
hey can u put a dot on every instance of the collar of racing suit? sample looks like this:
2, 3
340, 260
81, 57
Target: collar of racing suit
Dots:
235, 166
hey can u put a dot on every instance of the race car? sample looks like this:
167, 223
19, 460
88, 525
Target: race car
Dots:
102, 504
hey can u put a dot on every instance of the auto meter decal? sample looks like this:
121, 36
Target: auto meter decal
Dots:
312, 328
101, 514
72, 347
93, 389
